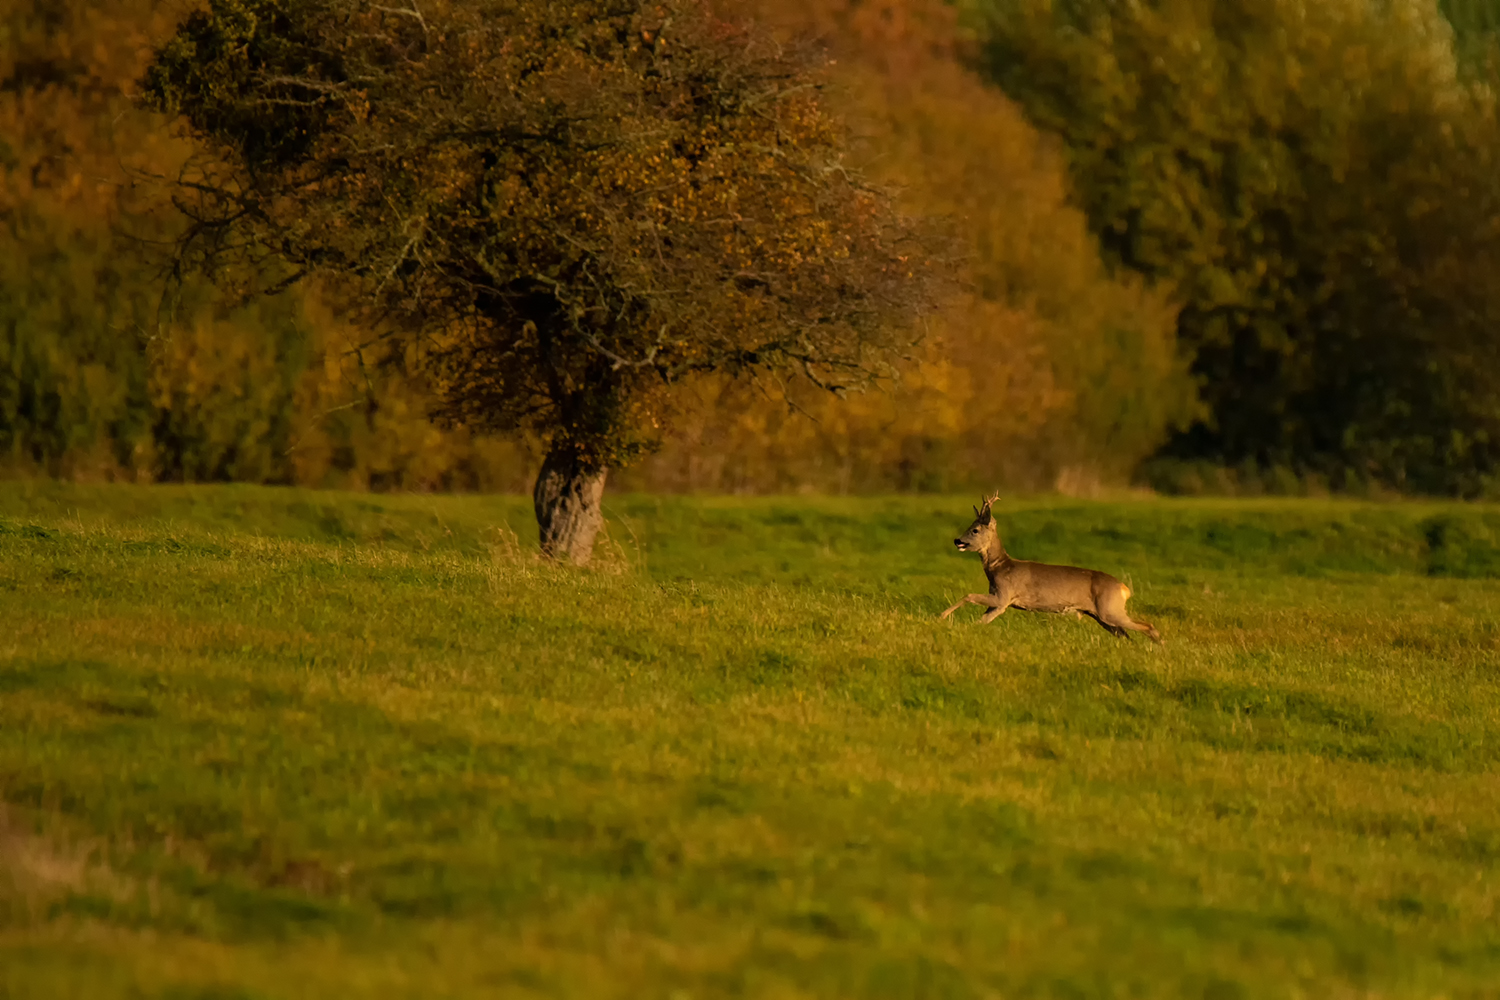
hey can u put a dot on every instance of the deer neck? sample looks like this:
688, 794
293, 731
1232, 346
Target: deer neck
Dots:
994, 555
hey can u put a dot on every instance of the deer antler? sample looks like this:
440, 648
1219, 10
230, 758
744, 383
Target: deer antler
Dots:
988, 501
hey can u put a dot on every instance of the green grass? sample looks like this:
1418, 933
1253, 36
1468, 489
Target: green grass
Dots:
262, 743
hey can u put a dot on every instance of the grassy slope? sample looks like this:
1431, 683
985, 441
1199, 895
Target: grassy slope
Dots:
262, 743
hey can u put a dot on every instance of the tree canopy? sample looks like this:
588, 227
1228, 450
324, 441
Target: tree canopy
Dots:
579, 203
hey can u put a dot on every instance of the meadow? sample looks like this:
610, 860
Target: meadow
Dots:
274, 743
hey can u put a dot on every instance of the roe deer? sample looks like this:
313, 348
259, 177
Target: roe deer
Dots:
1034, 586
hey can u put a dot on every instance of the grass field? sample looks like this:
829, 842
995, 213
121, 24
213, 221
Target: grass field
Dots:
261, 743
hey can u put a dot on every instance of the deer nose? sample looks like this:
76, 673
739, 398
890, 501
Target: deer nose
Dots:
958, 541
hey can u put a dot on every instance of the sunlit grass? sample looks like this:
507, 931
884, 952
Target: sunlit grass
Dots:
261, 743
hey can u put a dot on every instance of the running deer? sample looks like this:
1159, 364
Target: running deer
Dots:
1034, 586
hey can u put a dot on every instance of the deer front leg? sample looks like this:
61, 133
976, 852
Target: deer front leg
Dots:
989, 599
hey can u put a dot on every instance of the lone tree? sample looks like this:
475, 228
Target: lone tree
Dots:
576, 203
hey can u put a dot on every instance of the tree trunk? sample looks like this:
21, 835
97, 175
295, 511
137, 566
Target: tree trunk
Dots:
569, 512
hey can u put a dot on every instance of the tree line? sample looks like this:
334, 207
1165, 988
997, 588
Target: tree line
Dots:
1317, 183
1248, 233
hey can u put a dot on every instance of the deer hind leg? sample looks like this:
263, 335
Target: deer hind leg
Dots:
1113, 616
1112, 629
1125, 622
987, 599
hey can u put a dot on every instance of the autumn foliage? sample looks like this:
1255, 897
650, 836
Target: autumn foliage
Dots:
579, 202
1047, 371
101, 374
1296, 201
1042, 368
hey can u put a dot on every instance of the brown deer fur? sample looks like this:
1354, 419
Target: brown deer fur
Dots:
1034, 586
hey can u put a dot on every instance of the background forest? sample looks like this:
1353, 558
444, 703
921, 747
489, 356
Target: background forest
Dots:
1208, 244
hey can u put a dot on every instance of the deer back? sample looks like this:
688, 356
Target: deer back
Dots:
1043, 587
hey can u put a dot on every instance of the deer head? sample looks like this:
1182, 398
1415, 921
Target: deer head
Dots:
982, 532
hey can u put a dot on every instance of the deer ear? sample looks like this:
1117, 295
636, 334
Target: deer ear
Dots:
976, 511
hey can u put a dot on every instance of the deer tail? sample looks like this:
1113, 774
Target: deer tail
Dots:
1124, 590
